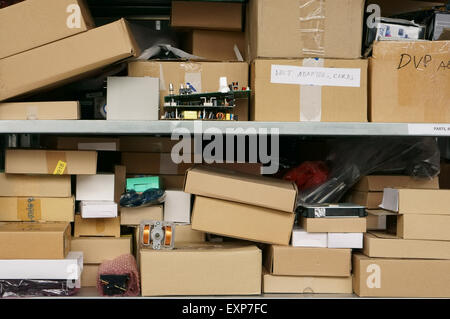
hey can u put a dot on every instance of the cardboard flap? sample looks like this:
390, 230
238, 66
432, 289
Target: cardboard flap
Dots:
390, 199
381, 235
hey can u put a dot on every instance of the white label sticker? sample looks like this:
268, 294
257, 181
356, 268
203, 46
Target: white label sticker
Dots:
287, 74
429, 129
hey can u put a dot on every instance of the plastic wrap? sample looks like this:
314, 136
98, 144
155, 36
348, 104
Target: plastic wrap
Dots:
351, 159
36, 288
152, 196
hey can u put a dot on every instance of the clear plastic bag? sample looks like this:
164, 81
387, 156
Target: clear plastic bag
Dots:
350, 159
36, 288
152, 196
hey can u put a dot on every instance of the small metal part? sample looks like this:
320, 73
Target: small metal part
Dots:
171, 90
157, 234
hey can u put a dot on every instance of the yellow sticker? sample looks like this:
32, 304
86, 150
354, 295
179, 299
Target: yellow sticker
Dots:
60, 168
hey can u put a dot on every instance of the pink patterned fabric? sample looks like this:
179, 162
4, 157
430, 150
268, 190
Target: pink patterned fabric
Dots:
122, 265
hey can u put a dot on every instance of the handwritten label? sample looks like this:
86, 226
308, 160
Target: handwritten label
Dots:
60, 168
429, 129
301, 75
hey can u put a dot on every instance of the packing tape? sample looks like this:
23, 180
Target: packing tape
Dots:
312, 26
311, 96
100, 226
56, 163
29, 209
162, 82
32, 112
166, 165
195, 79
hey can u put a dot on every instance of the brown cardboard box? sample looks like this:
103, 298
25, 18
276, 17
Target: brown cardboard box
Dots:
297, 29
50, 162
233, 219
444, 176
147, 144
247, 168
215, 45
172, 182
35, 186
204, 76
382, 244
66, 60
101, 227
376, 219
98, 249
49, 209
201, 269
377, 183
371, 200
86, 143
248, 189
418, 201
382, 277
306, 261
40, 111
185, 234
134, 216
153, 163
429, 227
120, 181
306, 285
89, 276
406, 78
33, 23
207, 15
282, 83
34, 240
334, 225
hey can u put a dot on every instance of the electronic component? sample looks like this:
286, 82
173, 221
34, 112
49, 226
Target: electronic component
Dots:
114, 285
331, 210
157, 234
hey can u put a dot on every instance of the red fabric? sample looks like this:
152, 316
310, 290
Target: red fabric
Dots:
308, 175
122, 265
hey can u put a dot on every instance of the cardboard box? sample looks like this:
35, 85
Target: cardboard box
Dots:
120, 179
153, 164
306, 261
376, 219
201, 269
50, 162
185, 234
371, 200
247, 168
89, 276
34, 240
40, 111
406, 78
345, 240
293, 29
216, 45
134, 216
66, 60
377, 183
97, 227
300, 238
207, 15
430, 227
232, 219
33, 23
260, 191
27, 209
70, 267
99, 249
382, 277
147, 144
98, 209
99, 187
306, 285
309, 90
204, 76
177, 207
34, 185
132, 98
87, 143
417, 201
172, 182
384, 245
444, 176
333, 225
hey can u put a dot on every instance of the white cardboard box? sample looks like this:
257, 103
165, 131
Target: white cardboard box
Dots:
132, 98
99, 187
300, 238
57, 269
177, 207
98, 209
345, 240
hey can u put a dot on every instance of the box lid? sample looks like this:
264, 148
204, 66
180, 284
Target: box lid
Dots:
377, 183
238, 187
49, 227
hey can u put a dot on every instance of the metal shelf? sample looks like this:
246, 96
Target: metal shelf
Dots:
103, 127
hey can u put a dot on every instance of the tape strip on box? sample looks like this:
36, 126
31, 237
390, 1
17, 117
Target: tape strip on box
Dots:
312, 26
311, 96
